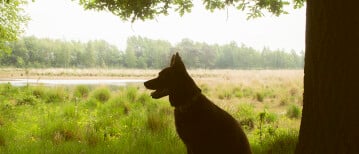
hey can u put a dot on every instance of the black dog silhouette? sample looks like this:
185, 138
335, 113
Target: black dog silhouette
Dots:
202, 126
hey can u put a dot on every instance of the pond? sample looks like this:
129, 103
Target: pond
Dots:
70, 82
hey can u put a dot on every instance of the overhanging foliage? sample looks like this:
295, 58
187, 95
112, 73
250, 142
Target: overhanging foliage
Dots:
148, 9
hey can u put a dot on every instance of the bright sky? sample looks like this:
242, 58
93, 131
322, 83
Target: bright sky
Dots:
65, 19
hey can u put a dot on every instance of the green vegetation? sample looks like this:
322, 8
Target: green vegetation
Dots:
294, 111
81, 91
12, 23
37, 120
82, 119
101, 94
137, 10
31, 52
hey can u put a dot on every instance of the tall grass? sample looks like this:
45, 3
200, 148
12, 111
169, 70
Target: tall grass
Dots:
294, 111
101, 94
119, 121
81, 91
278, 141
80, 119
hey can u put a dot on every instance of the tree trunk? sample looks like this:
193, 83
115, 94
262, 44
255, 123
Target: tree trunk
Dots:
330, 121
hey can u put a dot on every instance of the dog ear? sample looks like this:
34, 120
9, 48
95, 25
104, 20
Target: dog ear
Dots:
177, 62
172, 60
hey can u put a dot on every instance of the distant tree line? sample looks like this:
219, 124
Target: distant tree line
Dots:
144, 53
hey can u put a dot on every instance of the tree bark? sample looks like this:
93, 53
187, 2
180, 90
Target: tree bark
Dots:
330, 120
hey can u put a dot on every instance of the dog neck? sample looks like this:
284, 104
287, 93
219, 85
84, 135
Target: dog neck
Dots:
189, 103
185, 93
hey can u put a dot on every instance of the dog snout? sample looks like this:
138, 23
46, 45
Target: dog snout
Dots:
151, 84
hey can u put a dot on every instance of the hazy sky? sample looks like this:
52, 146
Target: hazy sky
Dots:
65, 19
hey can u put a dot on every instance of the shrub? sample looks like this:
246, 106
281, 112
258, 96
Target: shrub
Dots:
284, 101
237, 92
225, 94
26, 99
247, 92
81, 91
102, 94
8, 89
271, 117
246, 115
39, 92
268, 92
267, 117
204, 88
278, 141
294, 111
260, 97
91, 103
284, 141
56, 95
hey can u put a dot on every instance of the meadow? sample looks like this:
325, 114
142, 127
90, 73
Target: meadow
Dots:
102, 119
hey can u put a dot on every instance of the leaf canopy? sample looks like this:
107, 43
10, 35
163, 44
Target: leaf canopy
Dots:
12, 21
148, 9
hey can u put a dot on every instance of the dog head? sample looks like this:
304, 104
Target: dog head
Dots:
167, 79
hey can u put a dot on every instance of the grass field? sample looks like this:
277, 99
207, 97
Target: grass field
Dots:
83, 119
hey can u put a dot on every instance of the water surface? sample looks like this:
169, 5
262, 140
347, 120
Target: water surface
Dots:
69, 82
